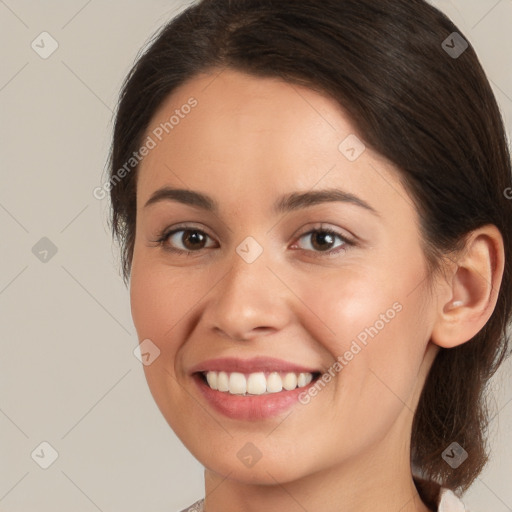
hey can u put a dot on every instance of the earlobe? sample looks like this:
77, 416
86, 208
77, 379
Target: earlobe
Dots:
472, 291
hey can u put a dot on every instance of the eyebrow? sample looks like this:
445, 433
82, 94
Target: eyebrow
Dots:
286, 203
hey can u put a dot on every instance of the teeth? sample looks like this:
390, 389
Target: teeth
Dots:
222, 381
237, 383
290, 381
256, 383
302, 380
274, 383
211, 377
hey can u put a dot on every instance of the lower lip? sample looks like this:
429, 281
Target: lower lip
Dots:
250, 407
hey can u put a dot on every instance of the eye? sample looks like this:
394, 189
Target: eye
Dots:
191, 240
322, 241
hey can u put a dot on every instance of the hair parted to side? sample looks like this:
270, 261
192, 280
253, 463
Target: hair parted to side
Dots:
435, 117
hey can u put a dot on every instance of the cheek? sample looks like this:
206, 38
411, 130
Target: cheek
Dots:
159, 298
161, 302
380, 337
375, 324
348, 305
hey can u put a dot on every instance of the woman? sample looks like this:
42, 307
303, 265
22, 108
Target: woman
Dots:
311, 199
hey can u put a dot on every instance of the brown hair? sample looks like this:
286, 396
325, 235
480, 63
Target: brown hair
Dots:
432, 114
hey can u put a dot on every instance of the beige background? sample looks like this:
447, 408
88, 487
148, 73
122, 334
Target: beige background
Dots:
68, 375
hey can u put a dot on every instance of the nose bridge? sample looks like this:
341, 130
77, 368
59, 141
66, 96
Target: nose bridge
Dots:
249, 296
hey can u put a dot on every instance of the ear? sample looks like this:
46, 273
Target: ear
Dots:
468, 297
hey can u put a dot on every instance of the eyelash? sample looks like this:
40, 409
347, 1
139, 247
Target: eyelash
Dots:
164, 236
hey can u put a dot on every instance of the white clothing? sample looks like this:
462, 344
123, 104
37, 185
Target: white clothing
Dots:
448, 502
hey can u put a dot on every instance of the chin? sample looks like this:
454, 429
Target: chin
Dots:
268, 470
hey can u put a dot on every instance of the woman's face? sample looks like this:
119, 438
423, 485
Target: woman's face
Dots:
263, 279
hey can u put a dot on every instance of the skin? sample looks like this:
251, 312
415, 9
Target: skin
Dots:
248, 141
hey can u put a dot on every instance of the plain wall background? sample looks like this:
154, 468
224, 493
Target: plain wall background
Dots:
68, 375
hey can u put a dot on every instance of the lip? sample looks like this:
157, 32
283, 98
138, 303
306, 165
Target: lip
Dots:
250, 408
253, 365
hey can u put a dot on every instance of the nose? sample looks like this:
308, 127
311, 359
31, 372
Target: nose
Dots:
250, 301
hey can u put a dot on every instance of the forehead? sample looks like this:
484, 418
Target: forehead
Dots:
234, 103
229, 132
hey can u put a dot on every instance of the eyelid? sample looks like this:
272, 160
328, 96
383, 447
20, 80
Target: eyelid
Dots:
182, 226
323, 227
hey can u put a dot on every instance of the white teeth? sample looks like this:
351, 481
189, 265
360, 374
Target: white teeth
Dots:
257, 383
274, 383
237, 383
290, 381
211, 377
304, 379
222, 381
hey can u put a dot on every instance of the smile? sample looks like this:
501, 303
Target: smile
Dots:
258, 383
251, 389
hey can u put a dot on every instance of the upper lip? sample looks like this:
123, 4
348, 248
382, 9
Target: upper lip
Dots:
253, 365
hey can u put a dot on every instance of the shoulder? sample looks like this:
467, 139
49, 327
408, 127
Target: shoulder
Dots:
195, 507
449, 501
438, 498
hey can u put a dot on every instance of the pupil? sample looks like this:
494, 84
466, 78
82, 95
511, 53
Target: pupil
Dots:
325, 237
192, 236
